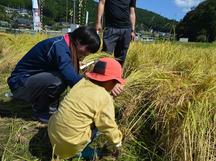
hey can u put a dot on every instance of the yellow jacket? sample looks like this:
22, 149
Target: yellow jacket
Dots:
86, 104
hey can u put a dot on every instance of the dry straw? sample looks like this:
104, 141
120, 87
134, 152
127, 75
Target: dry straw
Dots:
168, 108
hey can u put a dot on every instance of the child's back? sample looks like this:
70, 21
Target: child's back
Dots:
85, 105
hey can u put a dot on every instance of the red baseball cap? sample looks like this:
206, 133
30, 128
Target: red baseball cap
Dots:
106, 69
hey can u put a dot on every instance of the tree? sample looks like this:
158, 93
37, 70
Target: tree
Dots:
200, 23
56, 11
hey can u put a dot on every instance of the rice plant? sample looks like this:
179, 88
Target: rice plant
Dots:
166, 112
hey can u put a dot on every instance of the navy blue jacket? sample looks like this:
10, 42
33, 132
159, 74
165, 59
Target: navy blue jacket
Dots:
50, 55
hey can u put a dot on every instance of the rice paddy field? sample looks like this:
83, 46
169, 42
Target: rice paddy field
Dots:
166, 113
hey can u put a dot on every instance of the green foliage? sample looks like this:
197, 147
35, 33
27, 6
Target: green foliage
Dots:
59, 10
3, 16
147, 20
200, 23
17, 3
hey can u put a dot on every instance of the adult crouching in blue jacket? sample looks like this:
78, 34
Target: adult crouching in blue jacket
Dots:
49, 67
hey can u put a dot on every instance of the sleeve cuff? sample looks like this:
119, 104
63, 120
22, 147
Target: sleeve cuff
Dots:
119, 145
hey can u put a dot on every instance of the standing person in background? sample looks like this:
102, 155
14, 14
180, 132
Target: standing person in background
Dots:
49, 67
120, 19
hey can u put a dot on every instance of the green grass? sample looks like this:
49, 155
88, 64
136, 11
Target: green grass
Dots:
167, 111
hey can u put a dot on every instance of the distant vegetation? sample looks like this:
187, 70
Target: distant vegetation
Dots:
60, 10
149, 20
200, 23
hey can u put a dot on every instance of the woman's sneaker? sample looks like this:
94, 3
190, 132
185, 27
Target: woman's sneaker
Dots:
42, 117
53, 107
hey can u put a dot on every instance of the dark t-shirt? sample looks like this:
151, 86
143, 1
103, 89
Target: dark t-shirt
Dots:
117, 13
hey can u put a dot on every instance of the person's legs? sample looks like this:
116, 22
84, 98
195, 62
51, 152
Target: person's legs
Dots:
41, 90
110, 38
89, 153
122, 45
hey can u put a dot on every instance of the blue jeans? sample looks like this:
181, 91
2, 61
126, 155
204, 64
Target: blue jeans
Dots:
88, 152
41, 90
117, 40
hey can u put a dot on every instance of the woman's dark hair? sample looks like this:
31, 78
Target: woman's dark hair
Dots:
86, 36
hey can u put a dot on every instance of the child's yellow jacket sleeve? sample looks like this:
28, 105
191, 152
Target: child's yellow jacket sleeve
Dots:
105, 122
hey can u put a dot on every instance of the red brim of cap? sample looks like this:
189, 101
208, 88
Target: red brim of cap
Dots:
103, 78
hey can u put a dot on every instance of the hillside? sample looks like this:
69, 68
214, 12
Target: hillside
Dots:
200, 23
59, 10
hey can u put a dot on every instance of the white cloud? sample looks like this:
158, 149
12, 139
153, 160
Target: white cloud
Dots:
187, 4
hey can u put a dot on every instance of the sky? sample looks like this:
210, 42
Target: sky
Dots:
172, 9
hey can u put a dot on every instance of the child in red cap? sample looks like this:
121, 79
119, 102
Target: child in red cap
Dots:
88, 104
